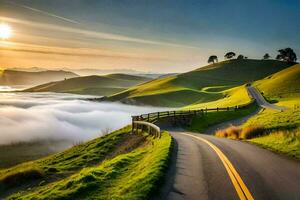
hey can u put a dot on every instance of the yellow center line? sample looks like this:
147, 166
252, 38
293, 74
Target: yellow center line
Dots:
239, 185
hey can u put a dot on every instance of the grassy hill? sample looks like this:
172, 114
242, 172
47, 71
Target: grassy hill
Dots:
93, 85
13, 77
283, 84
119, 165
284, 88
201, 85
281, 132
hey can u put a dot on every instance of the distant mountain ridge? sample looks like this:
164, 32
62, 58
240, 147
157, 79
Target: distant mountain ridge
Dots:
92, 85
90, 71
13, 77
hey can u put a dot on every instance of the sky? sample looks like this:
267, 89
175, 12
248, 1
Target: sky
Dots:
144, 35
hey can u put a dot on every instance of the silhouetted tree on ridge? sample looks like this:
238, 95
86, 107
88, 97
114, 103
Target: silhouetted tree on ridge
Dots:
287, 55
266, 56
240, 57
229, 55
212, 59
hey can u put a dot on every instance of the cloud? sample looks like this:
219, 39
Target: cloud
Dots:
83, 32
43, 12
27, 117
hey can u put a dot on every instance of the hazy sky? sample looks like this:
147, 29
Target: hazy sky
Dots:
153, 35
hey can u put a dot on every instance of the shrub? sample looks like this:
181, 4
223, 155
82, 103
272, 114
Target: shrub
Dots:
235, 132
230, 132
221, 133
251, 132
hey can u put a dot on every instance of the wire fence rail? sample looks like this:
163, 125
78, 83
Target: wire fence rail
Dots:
146, 122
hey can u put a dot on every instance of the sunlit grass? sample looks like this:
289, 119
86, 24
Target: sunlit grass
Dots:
200, 123
287, 142
232, 97
202, 87
133, 175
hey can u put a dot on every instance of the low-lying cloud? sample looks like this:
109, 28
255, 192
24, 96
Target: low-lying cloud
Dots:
46, 116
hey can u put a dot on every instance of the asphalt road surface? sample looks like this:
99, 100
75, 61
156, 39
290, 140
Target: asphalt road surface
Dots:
261, 100
207, 167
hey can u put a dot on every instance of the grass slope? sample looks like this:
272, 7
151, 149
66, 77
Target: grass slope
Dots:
285, 142
284, 88
93, 85
283, 84
119, 165
280, 128
13, 77
192, 87
231, 97
134, 175
200, 123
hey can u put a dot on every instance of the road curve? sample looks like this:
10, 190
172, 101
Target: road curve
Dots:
199, 172
255, 94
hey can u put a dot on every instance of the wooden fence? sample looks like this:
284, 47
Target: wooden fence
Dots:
152, 129
146, 122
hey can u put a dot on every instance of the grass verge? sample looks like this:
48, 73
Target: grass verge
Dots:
134, 175
286, 142
66, 163
282, 141
200, 123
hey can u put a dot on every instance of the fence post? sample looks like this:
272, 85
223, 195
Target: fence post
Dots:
217, 109
148, 117
157, 115
132, 125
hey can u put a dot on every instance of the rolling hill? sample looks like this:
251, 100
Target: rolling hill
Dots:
13, 77
282, 88
285, 83
201, 85
93, 85
119, 165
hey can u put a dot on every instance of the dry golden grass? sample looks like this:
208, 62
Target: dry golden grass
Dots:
235, 132
230, 132
252, 132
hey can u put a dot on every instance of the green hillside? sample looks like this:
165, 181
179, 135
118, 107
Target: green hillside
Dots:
117, 165
284, 88
13, 77
283, 84
93, 85
201, 85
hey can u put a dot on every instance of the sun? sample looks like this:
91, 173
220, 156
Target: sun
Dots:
5, 31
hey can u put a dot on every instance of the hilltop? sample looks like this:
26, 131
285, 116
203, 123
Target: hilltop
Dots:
201, 85
93, 85
13, 77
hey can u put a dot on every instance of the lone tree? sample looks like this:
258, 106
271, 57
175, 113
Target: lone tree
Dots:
229, 55
240, 57
212, 59
267, 56
287, 55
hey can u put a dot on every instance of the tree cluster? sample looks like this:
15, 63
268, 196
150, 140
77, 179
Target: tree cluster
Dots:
286, 54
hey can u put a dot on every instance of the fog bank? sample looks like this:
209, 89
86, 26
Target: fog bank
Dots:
47, 116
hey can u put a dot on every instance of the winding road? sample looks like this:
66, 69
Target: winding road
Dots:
250, 172
260, 100
207, 167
